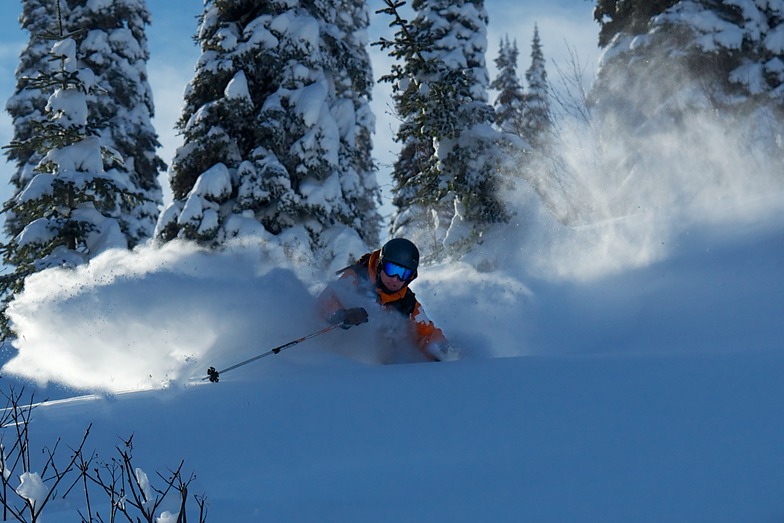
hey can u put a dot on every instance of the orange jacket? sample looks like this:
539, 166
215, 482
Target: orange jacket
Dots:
425, 332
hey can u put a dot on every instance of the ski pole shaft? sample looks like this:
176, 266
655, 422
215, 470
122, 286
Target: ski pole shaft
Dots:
213, 375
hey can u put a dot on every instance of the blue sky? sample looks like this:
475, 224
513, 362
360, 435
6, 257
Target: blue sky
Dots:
563, 25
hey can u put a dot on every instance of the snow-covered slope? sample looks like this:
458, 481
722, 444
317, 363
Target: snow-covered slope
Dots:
620, 392
678, 438
652, 393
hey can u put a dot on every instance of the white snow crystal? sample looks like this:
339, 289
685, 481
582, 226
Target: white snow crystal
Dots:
88, 78
214, 183
302, 31
238, 87
209, 221
144, 483
750, 75
66, 49
107, 233
39, 186
6, 471
319, 193
459, 230
99, 5
256, 34
167, 517
240, 225
227, 38
83, 156
346, 119
68, 107
32, 489
193, 210
37, 231
272, 103
774, 41
146, 489
309, 102
123, 38
168, 216
775, 66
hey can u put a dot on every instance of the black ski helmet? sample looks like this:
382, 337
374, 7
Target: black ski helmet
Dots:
402, 252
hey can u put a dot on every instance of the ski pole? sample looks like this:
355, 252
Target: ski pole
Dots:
213, 375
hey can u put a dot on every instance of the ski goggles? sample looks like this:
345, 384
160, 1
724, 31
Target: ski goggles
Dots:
393, 269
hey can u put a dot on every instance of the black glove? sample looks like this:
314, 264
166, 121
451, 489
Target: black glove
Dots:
349, 317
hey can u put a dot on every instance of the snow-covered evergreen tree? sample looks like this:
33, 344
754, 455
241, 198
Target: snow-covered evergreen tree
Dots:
628, 17
535, 159
115, 48
741, 43
440, 91
699, 53
415, 217
675, 84
354, 81
26, 106
69, 206
632, 86
510, 102
524, 113
276, 125
537, 118
111, 42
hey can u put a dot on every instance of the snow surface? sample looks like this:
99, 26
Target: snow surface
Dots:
626, 370
635, 390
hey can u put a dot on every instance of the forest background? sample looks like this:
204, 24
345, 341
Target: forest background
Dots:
565, 26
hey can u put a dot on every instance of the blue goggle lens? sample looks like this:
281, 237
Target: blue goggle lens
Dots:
393, 269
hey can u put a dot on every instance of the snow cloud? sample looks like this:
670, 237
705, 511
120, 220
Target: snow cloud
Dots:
161, 315
148, 318
656, 161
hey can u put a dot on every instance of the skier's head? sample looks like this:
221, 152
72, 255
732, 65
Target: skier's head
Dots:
399, 258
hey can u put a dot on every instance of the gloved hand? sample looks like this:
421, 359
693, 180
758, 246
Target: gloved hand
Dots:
349, 317
443, 351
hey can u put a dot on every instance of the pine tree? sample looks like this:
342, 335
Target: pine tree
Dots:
625, 74
537, 118
27, 105
115, 49
415, 217
355, 82
700, 54
628, 17
737, 44
440, 91
510, 102
694, 74
276, 125
69, 205
111, 42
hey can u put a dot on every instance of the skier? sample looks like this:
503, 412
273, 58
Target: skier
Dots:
384, 275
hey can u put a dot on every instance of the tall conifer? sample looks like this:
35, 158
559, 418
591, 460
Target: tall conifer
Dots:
276, 125
449, 165
69, 207
86, 177
677, 83
510, 102
111, 42
537, 118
